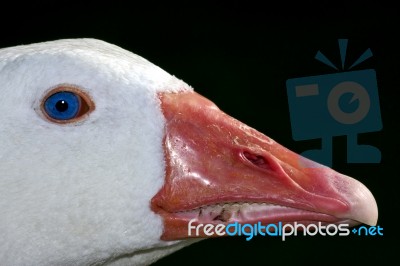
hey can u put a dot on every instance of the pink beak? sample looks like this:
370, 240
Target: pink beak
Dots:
219, 171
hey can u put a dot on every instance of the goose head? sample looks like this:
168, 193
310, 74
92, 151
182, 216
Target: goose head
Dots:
105, 158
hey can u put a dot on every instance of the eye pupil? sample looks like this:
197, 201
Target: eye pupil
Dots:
61, 106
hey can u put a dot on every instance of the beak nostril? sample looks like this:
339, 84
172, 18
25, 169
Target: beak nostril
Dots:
257, 160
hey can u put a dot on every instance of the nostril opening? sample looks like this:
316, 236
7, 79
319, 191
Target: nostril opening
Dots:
257, 160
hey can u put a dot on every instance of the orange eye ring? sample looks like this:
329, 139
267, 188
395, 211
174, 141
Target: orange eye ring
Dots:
66, 104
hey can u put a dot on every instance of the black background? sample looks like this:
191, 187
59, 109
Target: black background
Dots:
240, 56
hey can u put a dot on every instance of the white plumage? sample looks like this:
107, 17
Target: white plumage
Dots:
79, 193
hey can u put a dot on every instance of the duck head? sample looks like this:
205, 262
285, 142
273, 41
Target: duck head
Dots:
105, 158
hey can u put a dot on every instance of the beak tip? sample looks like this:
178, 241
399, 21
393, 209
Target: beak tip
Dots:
368, 211
363, 204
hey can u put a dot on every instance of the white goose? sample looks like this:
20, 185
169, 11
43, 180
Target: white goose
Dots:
104, 158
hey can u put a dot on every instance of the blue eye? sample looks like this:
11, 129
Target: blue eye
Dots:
64, 106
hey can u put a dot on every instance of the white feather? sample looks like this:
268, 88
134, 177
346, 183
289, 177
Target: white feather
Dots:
79, 193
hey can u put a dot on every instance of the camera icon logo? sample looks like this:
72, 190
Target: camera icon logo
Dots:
344, 103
